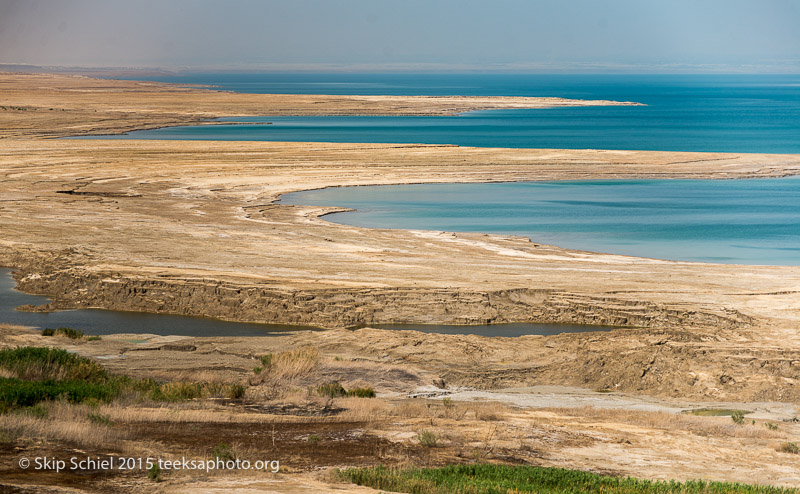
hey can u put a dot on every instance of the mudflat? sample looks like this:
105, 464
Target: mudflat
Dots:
193, 228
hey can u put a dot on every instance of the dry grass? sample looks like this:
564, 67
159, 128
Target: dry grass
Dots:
286, 368
456, 410
201, 375
282, 374
715, 426
363, 373
65, 422
362, 410
13, 327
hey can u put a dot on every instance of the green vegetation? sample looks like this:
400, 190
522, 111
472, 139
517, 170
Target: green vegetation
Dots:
503, 479
42, 374
223, 452
266, 360
36, 411
738, 417
74, 334
313, 438
38, 363
771, 426
236, 391
99, 418
428, 439
154, 473
94, 338
362, 392
17, 393
335, 390
792, 448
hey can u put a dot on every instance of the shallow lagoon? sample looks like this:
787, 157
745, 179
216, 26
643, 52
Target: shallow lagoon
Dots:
753, 221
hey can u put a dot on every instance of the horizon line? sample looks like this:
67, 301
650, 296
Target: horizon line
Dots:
588, 68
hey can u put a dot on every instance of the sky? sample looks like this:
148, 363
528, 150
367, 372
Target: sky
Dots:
760, 36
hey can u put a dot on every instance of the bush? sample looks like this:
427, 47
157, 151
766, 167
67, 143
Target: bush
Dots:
180, 391
17, 393
313, 438
428, 439
50, 363
154, 473
266, 360
74, 334
223, 452
236, 391
36, 411
100, 419
792, 448
362, 392
738, 417
94, 338
332, 390
335, 390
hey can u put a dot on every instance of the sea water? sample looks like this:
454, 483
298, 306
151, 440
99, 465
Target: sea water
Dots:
719, 113
751, 221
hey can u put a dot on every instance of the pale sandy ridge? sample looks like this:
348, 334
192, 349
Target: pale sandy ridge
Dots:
50, 105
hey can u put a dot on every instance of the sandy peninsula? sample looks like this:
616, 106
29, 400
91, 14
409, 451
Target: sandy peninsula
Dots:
193, 228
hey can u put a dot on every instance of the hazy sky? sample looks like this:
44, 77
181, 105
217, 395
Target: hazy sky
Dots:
518, 35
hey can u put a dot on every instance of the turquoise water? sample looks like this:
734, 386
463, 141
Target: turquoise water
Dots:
721, 113
723, 221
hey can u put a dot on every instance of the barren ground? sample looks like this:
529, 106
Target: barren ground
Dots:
192, 228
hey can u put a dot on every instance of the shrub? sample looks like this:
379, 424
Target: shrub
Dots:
50, 363
223, 452
738, 417
335, 390
74, 334
362, 392
95, 338
313, 438
236, 391
100, 419
266, 360
332, 390
771, 426
180, 391
18, 393
428, 439
36, 411
154, 473
792, 448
